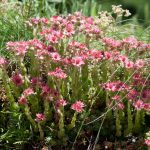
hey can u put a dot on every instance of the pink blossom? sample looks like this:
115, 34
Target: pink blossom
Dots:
131, 41
115, 86
40, 117
120, 105
54, 36
45, 31
77, 45
56, 19
96, 54
139, 104
132, 95
44, 20
146, 106
22, 100
55, 56
33, 21
58, 73
53, 39
69, 30
137, 76
89, 29
111, 42
28, 92
107, 55
129, 64
122, 58
47, 91
145, 94
17, 79
37, 44
96, 30
40, 54
116, 98
35, 80
61, 102
2, 61
50, 49
67, 61
78, 106
36, 21
90, 20
139, 63
77, 61
147, 142
20, 48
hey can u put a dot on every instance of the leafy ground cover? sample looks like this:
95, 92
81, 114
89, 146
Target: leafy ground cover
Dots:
75, 82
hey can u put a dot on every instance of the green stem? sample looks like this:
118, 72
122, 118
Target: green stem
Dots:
28, 115
73, 121
61, 132
75, 83
41, 132
24, 72
118, 123
130, 123
10, 97
137, 122
47, 112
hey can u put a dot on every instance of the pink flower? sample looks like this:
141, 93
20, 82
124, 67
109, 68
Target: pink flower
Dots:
129, 64
28, 92
116, 98
67, 61
107, 55
40, 117
111, 42
36, 44
44, 20
22, 100
77, 45
48, 93
35, 80
115, 86
137, 76
77, 61
46, 90
131, 42
123, 58
36, 21
56, 19
146, 106
146, 94
58, 73
17, 79
132, 95
69, 30
41, 54
147, 142
96, 54
139, 63
120, 106
138, 105
55, 56
61, 102
2, 61
50, 49
20, 48
52, 38
78, 106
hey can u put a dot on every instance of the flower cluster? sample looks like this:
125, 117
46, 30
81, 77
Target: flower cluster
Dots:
67, 58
